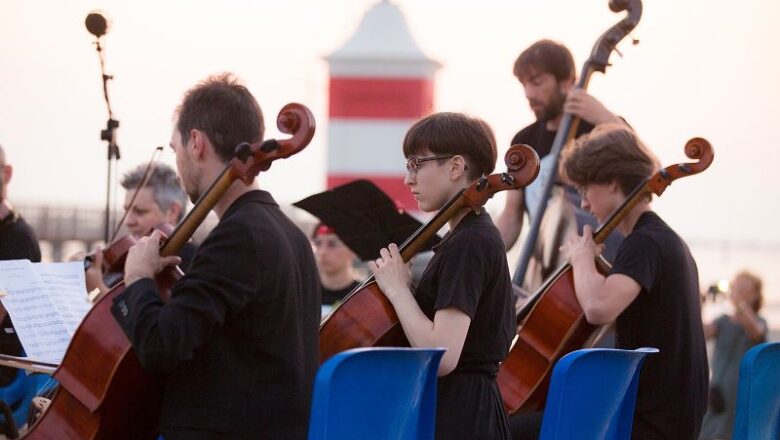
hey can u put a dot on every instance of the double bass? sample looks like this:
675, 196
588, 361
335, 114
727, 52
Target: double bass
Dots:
366, 318
555, 323
567, 130
104, 393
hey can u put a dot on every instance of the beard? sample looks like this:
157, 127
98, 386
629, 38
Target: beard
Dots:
554, 108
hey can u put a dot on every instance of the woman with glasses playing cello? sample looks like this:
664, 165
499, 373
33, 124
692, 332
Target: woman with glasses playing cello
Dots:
463, 301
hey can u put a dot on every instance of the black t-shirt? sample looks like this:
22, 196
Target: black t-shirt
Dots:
238, 339
331, 297
538, 137
666, 314
469, 271
17, 242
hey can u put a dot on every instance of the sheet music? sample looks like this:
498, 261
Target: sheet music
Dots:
42, 300
66, 288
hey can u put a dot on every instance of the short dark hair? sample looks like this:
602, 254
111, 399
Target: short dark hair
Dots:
546, 56
165, 187
609, 153
225, 110
454, 133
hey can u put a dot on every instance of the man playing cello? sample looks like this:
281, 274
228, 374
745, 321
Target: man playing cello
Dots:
237, 341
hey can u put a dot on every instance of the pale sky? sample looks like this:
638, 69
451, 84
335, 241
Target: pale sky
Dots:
705, 68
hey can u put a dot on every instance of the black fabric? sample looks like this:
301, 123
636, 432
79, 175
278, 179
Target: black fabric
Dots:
363, 217
238, 340
666, 314
538, 137
187, 253
332, 297
17, 242
469, 271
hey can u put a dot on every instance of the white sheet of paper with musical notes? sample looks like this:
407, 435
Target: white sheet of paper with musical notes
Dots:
46, 303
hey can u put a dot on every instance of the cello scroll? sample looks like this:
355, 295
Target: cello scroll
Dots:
522, 168
696, 148
294, 119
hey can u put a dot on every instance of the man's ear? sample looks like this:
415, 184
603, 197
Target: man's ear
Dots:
198, 143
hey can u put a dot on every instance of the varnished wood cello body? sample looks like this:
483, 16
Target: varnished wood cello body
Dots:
366, 318
554, 323
104, 393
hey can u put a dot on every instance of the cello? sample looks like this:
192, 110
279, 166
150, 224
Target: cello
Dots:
366, 318
567, 130
104, 393
555, 323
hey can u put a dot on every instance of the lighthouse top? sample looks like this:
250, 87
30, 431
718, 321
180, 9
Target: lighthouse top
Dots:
381, 46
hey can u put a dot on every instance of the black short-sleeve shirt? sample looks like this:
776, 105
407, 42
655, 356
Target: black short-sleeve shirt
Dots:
666, 314
538, 137
469, 271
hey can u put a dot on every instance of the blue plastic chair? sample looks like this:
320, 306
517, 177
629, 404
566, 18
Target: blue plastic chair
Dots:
593, 394
376, 393
758, 394
19, 393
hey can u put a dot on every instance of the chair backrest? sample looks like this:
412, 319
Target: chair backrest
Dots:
593, 394
376, 393
19, 393
758, 394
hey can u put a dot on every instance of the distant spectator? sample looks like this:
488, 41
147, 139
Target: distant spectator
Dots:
335, 264
734, 335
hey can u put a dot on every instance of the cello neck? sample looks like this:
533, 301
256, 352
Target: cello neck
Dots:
420, 237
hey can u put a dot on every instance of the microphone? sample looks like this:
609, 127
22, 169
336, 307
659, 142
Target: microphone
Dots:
97, 24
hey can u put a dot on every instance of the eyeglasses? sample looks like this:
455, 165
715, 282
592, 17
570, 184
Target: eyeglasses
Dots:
413, 163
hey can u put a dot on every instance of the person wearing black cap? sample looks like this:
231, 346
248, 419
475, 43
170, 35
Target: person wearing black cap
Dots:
335, 265
463, 301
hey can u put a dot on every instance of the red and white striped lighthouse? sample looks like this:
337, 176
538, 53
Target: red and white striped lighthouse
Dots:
380, 83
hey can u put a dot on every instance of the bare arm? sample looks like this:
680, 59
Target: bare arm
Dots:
510, 221
602, 299
747, 318
449, 326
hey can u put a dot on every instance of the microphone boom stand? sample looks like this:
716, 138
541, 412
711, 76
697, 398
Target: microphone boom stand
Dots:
108, 135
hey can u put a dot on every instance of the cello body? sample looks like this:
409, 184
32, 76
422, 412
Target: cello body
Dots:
556, 326
354, 327
104, 392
